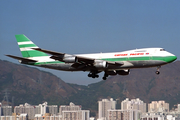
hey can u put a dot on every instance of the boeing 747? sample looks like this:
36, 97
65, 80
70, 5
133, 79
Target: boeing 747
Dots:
110, 63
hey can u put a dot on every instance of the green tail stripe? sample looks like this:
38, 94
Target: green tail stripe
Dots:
22, 38
27, 45
28, 53
33, 53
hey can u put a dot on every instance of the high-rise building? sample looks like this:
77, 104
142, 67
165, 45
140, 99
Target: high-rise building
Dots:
56, 117
23, 116
129, 114
45, 108
104, 106
6, 110
25, 109
153, 116
7, 118
76, 115
178, 108
158, 106
73, 112
115, 115
134, 104
70, 107
40, 117
53, 109
41, 108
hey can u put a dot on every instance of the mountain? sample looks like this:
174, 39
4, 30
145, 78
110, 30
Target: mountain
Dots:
27, 84
141, 83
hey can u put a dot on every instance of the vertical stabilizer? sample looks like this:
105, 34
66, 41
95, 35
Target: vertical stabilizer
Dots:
25, 45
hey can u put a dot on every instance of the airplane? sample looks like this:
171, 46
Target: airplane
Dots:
110, 63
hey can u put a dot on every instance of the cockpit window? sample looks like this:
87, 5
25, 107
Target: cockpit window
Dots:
162, 49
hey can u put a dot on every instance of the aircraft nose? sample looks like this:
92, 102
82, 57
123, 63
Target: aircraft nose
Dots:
171, 59
175, 58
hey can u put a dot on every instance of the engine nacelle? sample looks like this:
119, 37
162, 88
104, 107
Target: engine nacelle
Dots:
111, 72
100, 64
70, 59
123, 72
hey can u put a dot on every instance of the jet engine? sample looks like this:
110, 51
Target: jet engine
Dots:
123, 72
100, 64
111, 72
70, 59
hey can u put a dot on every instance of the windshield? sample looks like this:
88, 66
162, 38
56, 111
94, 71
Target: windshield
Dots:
162, 49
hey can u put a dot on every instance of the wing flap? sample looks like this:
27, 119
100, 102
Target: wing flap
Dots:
115, 63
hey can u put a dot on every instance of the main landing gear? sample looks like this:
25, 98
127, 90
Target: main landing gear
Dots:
105, 76
94, 74
158, 72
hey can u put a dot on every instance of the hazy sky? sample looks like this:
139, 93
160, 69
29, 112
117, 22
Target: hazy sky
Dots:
89, 26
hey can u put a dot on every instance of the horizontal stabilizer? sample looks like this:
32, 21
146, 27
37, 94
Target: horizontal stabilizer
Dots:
21, 58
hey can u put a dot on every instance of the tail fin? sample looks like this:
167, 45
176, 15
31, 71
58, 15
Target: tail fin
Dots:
25, 45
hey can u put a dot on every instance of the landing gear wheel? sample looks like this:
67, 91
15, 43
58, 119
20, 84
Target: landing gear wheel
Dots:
157, 72
104, 78
96, 76
89, 75
93, 75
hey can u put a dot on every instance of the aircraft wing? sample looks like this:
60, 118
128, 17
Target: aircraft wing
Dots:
59, 56
48, 51
21, 58
78, 59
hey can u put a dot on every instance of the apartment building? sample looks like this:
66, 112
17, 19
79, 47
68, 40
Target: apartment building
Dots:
123, 114
158, 106
70, 107
104, 106
134, 104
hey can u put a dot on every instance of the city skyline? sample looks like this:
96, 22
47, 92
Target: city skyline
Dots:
107, 110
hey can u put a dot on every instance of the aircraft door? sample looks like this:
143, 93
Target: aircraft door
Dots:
151, 54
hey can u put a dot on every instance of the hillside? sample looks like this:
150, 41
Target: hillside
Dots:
31, 85
27, 84
141, 83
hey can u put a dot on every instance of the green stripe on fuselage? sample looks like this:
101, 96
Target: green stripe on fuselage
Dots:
164, 59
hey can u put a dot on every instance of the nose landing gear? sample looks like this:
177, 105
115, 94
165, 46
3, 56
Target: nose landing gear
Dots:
158, 72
